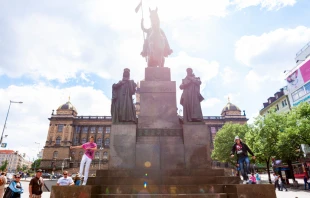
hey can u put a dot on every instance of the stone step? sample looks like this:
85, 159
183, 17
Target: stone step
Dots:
177, 180
145, 195
151, 172
157, 189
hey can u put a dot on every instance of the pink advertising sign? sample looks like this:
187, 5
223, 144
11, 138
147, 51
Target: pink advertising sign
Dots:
305, 71
294, 80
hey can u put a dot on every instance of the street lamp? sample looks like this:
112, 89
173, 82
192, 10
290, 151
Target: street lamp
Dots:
101, 148
7, 119
63, 164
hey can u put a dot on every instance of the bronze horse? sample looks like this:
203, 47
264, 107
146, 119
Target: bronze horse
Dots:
156, 46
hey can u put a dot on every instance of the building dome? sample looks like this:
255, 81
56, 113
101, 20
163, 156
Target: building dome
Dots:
67, 106
230, 109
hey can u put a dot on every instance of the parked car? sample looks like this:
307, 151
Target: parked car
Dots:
46, 175
57, 176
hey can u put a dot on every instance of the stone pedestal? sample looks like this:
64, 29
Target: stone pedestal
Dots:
197, 145
122, 146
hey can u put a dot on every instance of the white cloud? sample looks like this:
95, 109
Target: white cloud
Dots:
273, 51
229, 75
268, 4
27, 123
209, 103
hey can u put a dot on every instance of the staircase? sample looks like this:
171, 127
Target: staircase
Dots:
210, 183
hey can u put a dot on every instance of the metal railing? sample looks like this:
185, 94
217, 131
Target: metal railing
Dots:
303, 49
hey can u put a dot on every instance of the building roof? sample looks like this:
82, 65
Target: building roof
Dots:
6, 151
230, 107
67, 106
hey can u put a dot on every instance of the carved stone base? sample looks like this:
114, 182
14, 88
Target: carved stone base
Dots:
122, 146
197, 145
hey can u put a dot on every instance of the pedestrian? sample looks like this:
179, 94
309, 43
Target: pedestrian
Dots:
3, 181
241, 149
15, 189
252, 179
88, 156
276, 181
306, 181
77, 179
36, 185
65, 180
258, 178
282, 183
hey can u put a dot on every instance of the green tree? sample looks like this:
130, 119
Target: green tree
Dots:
263, 137
36, 164
4, 165
224, 140
18, 168
24, 167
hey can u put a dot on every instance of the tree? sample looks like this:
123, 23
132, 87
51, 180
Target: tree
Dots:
18, 168
263, 137
36, 164
24, 167
4, 165
224, 141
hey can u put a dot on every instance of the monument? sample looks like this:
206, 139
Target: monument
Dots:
162, 154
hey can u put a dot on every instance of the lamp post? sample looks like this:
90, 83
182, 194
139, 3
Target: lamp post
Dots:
101, 148
7, 119
63, 164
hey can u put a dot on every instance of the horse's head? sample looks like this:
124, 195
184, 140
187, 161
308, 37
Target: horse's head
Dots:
154, 17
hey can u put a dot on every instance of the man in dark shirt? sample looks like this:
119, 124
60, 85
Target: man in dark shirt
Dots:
241, 149
36, 185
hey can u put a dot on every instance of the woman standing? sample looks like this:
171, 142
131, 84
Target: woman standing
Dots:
15, 189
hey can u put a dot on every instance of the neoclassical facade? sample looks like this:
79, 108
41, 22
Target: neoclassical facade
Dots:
67, 128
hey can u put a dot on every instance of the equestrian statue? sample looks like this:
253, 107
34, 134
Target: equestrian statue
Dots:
156, 46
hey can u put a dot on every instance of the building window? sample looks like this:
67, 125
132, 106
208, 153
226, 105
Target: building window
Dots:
99, 141
85, 129
60, 127
277, 107
58, 140
108, 129
93, 129
76, 141
84, 140
77, 129
107, 142
100, 129
97, 155
307, 87
55, 154
284, 103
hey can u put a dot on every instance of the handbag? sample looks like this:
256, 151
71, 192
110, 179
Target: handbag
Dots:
8, 193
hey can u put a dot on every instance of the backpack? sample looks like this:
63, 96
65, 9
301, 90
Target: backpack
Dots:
2, 182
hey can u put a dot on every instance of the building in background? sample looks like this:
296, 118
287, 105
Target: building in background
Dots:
15, 160
67, 129
279, 103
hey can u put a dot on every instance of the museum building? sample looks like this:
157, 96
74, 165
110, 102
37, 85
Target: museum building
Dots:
67, 129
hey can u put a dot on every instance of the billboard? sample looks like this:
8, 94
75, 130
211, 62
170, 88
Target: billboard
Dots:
294, 80
299, 77
305, 71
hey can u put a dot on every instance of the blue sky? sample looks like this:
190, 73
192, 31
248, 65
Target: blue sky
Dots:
50, 50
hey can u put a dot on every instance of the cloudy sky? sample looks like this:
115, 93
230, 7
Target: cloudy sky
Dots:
50, 50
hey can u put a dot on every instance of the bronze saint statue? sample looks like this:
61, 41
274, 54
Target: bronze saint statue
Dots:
191, 97
123, 108
156, 46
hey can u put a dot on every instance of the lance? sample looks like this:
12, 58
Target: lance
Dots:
137, 10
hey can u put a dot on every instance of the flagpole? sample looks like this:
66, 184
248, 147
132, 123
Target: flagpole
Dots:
142, 30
